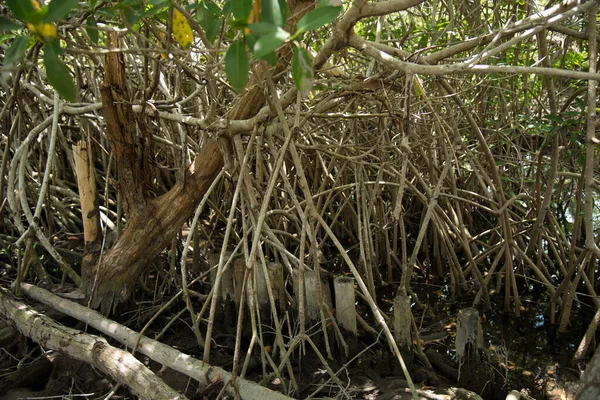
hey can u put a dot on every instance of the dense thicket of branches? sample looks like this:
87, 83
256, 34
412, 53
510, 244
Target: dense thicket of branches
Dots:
448, 139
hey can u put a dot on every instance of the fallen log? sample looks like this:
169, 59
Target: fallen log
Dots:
121, 365
159, 352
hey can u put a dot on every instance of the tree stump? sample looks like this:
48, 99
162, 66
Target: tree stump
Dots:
312, 302
226, 293
474, 372
345, 311
276, 284
239, 269
402, 329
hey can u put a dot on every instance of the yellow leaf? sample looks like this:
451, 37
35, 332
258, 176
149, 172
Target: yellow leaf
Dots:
182, 30
43, 30
161, 36
254, 15
36, 5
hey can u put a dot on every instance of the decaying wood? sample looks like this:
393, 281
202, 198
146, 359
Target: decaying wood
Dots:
166, 355
402, 328
473, 371
118, 364
88, 192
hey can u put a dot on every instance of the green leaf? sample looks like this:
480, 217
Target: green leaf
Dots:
52, 49
212, 7
209, 17
14, 54
317, 18
555, 118
251, 40
92, 29
237, 66
7, 25
284, 11
227, 7
263, 27
271, 58
57, 72
57, 9
241, 9
155, 9
108, 13
21, 8
133, 15
270, 12
302, 70
159, 3
269, 43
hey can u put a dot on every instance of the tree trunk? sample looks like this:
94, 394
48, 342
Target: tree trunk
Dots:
113, 277
151, 222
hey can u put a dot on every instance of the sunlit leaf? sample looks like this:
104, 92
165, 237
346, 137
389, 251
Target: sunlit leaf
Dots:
302, 70
317, 18
57, 9
237, 66
182, 29
57, 72
270, 12
269, 43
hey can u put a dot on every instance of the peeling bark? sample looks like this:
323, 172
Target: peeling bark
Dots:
113, 278
151, 222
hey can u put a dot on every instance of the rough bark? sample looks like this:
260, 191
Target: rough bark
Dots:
120, 365
151, 222
113, 278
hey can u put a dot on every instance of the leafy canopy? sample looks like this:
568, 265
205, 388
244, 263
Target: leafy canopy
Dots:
258, 30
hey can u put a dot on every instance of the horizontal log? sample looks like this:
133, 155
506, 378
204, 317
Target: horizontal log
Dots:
159, 352
121, 365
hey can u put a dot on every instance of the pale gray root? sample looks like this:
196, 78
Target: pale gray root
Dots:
159, 352
120, 365
590, 380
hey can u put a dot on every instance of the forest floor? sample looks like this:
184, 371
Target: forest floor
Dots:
526, 354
